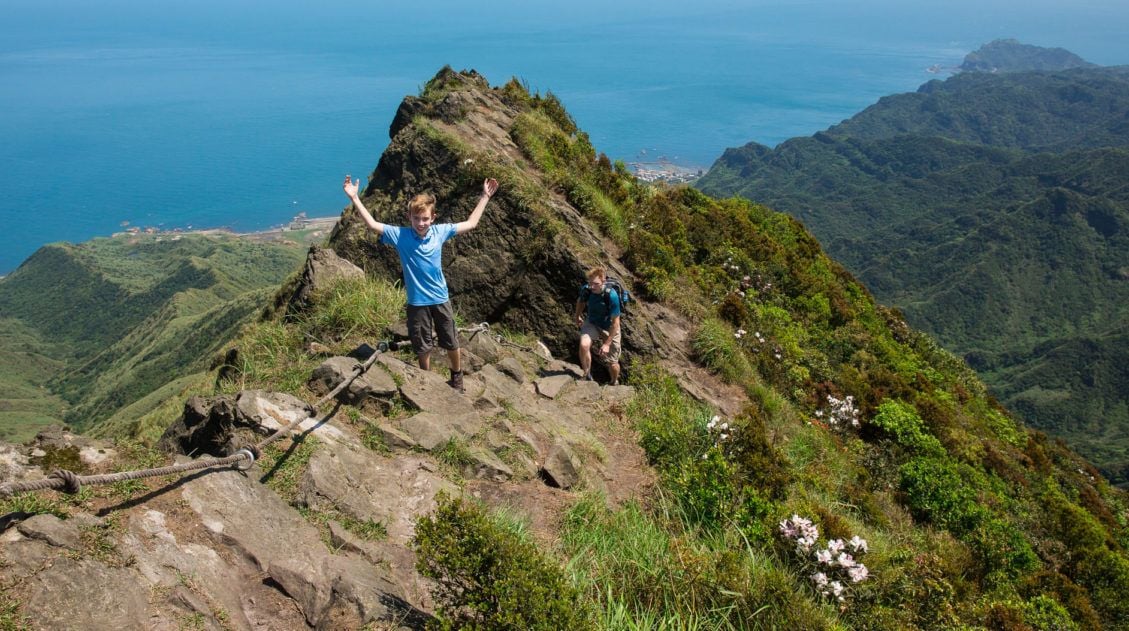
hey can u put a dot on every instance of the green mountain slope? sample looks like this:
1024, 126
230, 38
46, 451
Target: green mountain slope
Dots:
1070, 109
105, 322
992, 210
977, 521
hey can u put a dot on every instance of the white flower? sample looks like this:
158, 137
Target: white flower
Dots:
823, 556
845, 560
858, 573
836, 588
819, 578
858, 544
725, 426
835, 546
723, 436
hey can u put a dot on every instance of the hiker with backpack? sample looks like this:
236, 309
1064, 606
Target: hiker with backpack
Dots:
598, 310
420, 246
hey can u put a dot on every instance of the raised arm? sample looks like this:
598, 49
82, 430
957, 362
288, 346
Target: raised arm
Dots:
351, 187
489, 187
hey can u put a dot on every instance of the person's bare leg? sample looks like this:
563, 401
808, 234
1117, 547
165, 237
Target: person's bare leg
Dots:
613, 370
585, 354
455, 360
425, 361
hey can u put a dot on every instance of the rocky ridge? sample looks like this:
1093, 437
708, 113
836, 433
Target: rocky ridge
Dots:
232, 549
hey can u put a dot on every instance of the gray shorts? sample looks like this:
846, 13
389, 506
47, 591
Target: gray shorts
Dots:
598, 336
438, 318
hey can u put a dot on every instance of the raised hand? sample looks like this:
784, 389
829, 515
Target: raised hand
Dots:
489, 187
351, 186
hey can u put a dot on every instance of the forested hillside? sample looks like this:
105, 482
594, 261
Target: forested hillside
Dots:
991, 208
87, 329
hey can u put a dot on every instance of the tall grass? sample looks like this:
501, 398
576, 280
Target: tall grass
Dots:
654, 570
353, 308
716, 347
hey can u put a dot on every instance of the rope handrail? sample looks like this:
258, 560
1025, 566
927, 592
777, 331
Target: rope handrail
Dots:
69, 482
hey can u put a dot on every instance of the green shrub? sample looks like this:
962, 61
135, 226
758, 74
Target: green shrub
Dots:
900, 421
935, 490
487, 577
1106, 575
1046, 614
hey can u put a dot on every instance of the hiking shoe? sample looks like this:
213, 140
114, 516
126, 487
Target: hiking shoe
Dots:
456, 381
587, 376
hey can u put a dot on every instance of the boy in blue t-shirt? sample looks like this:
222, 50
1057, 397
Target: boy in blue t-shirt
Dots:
601, 324
420, 247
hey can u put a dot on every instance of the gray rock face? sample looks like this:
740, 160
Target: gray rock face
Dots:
427, 391
550, 387
366, 485
217, 426
513, 369
52, 530
63, 596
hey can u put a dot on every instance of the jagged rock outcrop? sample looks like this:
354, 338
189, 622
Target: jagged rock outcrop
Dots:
445, 142
323, 268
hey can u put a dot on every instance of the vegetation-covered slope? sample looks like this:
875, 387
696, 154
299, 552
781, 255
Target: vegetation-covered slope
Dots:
104, 323
992, 210
971, 518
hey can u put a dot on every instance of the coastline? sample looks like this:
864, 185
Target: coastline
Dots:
301, 229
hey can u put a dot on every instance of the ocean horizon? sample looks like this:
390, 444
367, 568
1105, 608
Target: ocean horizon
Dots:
231, 115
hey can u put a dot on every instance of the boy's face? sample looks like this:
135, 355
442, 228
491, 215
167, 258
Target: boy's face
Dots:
421, 221
596, 284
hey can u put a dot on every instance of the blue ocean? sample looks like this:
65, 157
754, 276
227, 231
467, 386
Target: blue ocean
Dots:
241, 114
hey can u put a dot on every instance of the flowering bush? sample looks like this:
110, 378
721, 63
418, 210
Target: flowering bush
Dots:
720, 429
832, 569
839, 413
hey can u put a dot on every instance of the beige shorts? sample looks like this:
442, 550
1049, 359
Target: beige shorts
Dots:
598, 336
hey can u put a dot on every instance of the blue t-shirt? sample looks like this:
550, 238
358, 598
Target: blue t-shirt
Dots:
422, 260
598, 311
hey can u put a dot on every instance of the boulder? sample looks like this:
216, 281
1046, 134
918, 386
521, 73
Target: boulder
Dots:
551, 386
86, 594
513, 369
562, 467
